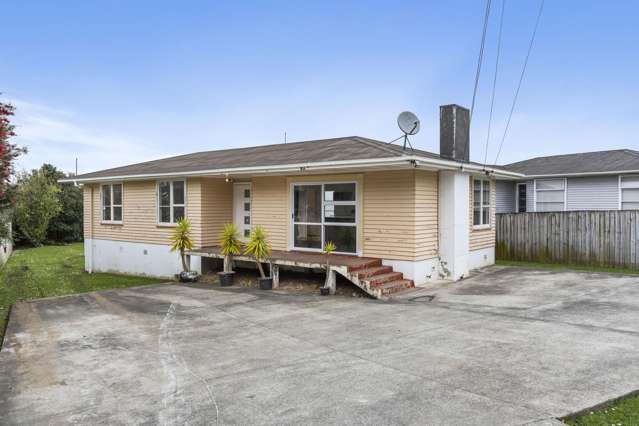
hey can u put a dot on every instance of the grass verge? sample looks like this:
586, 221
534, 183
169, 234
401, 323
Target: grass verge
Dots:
562, 266
53, 271
624, 412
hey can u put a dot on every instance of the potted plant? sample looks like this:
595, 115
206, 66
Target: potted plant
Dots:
181, 241
259, 248
329, 248
231, 246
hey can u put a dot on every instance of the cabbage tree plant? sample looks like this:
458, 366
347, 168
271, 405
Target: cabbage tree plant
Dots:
258, 247
231, 245
181, 240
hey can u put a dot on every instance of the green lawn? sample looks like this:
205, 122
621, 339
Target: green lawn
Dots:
538, 265
623, 412
53, 271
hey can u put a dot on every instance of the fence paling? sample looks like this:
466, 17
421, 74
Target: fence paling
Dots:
596, 238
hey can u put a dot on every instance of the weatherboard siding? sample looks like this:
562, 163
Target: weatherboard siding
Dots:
505, 196
269, 208
400, 215
216, 209
593, 193
139, 214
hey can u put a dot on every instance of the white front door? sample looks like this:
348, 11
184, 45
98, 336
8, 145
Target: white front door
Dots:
242, 209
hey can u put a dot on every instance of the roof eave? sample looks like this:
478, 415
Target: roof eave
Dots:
404, 160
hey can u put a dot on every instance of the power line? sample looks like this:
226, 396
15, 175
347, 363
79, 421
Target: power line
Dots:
480, 59
492, 97
521, 78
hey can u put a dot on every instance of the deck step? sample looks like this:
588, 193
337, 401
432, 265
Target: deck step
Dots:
393, 287
365, 265
375, 270
379, 280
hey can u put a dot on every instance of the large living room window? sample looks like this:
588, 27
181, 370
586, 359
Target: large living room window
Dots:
629, 192
325, 212
481, 202
112, 203
171, 201
550, 195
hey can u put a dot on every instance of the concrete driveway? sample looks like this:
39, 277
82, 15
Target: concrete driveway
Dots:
507, 346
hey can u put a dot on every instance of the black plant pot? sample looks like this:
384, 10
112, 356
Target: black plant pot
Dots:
325, 291
226, 278
265, 283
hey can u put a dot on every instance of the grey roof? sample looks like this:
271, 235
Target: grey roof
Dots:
583, 163
325, 150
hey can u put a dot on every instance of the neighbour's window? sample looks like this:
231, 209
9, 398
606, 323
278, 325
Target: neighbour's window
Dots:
112, 202
629, 192
481, 202
550, 195
171, 201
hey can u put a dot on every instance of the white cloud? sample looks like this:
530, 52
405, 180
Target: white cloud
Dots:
58, 136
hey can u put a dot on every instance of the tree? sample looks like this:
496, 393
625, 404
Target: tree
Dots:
66, 226
8, 151
36, 203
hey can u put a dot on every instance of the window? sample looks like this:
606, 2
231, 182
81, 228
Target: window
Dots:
550, 195
171, 201
112, 203
325, 212
481, 202
629, 192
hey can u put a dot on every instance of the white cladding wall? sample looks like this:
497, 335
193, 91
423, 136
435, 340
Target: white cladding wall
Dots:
505, 196
593, 193
124, 257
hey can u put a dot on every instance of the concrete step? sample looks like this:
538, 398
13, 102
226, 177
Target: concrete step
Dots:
365, 265
393, 287
376, 270
379, 280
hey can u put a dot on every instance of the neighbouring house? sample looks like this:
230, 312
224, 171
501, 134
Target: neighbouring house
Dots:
604, 180
410, 215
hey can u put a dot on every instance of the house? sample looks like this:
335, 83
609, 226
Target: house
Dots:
415, 215
604, 180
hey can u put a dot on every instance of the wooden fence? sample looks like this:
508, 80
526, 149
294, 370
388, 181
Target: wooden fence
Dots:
594, 238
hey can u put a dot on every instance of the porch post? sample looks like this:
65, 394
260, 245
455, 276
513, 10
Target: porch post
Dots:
454, 228
275, 274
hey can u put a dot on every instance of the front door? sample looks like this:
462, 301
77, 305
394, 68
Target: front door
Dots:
325, 212
242, 209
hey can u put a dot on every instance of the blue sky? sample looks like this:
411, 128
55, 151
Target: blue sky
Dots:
117, 82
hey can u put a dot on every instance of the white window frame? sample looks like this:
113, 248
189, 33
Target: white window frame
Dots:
171, 204
121, 205
565, 191
621, 188
482, 206
292, 224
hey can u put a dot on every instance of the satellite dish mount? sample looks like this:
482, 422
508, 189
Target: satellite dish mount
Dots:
409, 124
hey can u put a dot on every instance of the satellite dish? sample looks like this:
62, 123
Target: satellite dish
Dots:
408, 123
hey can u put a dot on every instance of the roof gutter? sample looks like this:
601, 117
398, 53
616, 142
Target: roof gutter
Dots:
301, 167
619, 172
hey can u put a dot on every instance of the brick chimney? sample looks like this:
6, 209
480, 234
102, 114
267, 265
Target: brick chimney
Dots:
454, 132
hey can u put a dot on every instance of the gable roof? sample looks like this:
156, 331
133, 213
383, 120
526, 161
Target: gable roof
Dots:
599, 162
348, 149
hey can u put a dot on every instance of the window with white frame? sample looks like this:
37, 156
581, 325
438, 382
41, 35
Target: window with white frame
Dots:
171, 201
629, 192
550, 195
481, 202
112, 203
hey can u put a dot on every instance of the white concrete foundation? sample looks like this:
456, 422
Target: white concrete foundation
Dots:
131, 258
454, 228
481, 258
421, 271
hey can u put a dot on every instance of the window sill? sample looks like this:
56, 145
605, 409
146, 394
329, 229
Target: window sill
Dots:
481, 227
111, 222
166, 225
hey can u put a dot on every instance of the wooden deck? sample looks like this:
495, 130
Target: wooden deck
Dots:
296, 258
